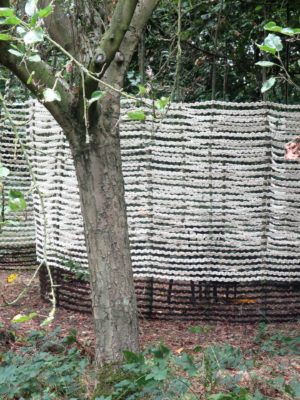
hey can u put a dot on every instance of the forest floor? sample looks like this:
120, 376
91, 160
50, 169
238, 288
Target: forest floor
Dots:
277, 347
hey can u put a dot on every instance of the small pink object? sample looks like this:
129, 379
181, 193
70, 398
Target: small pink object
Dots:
292, 150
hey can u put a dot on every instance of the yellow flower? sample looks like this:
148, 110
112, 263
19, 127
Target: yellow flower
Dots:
11, 278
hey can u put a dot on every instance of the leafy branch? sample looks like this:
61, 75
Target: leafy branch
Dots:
273, 46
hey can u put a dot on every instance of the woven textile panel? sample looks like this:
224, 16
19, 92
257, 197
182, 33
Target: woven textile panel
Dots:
16, 241
209, 195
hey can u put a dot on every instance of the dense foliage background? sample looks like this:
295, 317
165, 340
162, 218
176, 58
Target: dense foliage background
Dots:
218, 41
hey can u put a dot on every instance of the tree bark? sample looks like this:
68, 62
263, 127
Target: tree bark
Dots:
98, 168
98, 165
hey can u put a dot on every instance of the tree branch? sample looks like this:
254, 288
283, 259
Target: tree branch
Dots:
43, 78
143, 12
111, 41
59, 26
114, 75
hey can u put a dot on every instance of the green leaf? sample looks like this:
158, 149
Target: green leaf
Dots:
267, 49
138, 115
5, 37
258, 8
197, 349
133, 358
295, 386
18, 319
97, 95
45, 12
265, 63
30, 79
268, 84
273, 41
142, 90
34, 36
21, 31
34, 58
162, 103
15, 52
298, 62
10, 21
6, 12
31, 7
16, 201
287, 31
157, 373
186, 362
4, 172
51, 95
272, 26
220, 396
161, 352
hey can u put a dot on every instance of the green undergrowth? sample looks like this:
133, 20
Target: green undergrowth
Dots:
44, 366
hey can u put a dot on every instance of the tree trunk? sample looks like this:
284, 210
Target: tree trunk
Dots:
99, 174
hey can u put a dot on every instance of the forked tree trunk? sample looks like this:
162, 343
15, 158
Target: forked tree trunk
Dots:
101, 188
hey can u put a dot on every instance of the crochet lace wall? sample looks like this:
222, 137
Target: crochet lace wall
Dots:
17, 242
209, 195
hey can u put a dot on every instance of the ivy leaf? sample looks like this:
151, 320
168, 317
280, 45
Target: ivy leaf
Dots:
137, 115
97, 95
16, 201
18, 319
273, 41
31, 7
34, 36
158, 374
51, 95
185, 361
265, 63
44, 12
5, 37
6, 12
4, 172
268, 84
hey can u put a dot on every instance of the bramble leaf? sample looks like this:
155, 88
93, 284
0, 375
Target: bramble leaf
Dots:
268, 84
138, 115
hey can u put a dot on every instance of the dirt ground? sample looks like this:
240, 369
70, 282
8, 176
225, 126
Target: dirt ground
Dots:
177, 335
